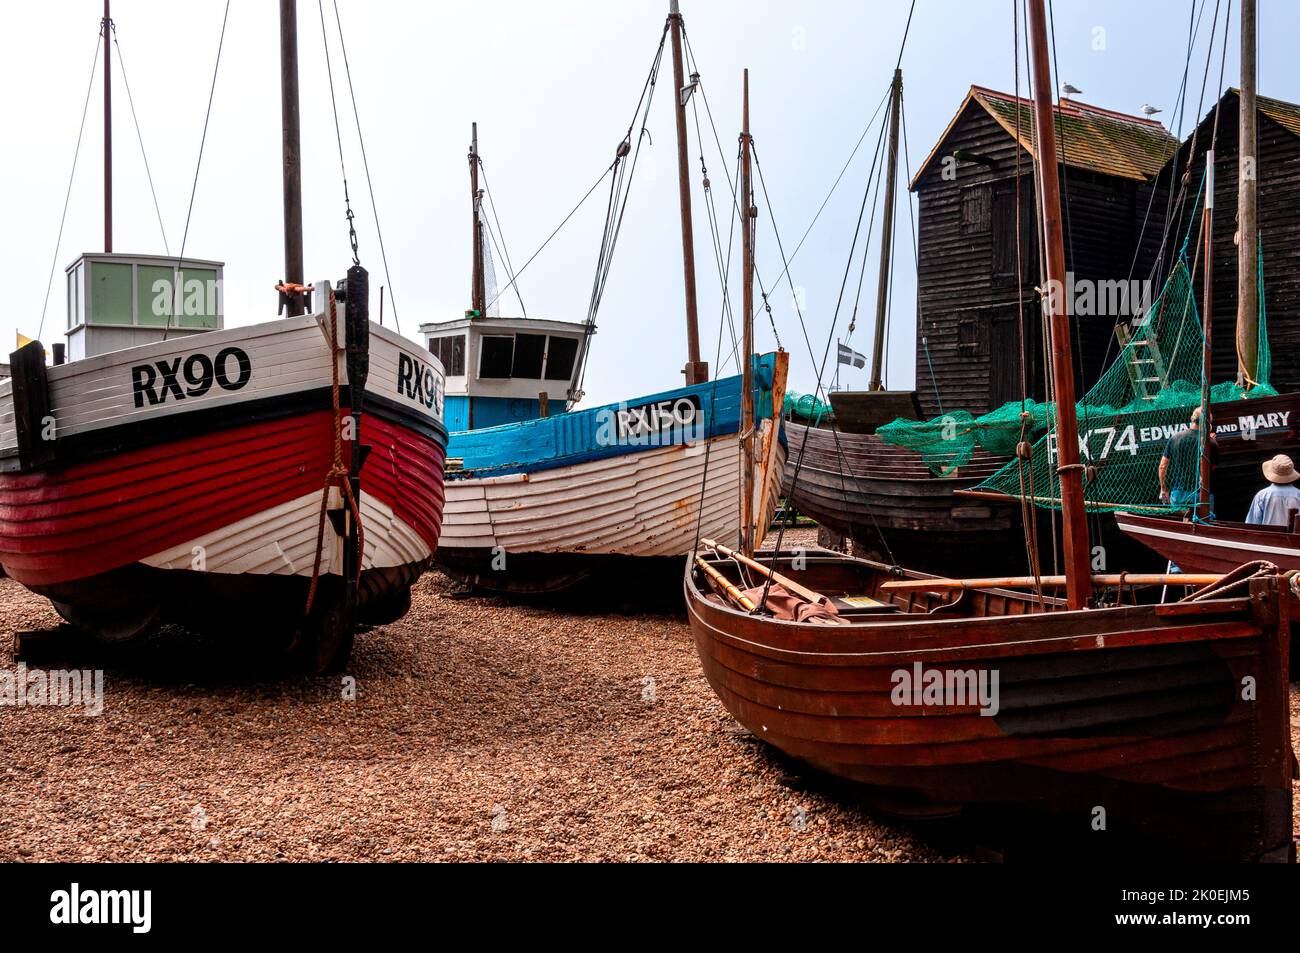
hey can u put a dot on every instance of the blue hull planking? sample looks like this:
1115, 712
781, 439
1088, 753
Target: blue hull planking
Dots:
580, 436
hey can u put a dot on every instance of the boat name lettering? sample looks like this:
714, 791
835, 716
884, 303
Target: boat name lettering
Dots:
190, 376
417, 380
657, 421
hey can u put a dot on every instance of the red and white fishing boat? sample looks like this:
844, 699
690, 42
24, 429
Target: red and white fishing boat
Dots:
282, 478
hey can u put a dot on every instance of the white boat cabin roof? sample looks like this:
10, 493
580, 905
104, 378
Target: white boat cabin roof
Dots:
116, 300
506, 357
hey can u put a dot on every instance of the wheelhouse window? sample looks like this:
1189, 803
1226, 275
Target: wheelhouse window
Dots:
561, 353
451, 351
529, 351
496, 355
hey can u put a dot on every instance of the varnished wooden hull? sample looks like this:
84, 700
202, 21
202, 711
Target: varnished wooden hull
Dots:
1214, 546
1136, 711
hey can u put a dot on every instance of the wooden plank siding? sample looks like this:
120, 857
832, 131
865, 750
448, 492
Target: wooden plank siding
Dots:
968, 325
1278, 169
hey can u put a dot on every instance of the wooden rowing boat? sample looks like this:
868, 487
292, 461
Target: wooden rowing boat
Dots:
1164, 723
1135, 710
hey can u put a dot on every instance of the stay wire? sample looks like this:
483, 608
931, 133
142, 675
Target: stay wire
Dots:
365, 163
139, 138
81, 129
198, 164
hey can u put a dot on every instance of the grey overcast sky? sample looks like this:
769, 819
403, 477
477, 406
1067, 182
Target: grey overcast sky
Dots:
552, 86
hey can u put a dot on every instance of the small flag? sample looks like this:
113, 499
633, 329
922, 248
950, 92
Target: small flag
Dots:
851, 357
23, 340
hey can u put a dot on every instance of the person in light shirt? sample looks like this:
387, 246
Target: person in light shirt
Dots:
1274, 504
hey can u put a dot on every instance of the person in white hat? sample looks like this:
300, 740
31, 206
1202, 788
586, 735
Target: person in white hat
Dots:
1274, 504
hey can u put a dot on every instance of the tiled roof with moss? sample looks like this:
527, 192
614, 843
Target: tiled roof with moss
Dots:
1089, 137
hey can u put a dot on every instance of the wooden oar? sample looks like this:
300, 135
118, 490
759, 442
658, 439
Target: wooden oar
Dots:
816, 598
1056, 582
736, 595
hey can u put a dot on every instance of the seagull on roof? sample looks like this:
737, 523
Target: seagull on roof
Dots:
1149, 110
1069, 90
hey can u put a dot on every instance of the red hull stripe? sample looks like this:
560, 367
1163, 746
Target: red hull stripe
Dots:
59, 525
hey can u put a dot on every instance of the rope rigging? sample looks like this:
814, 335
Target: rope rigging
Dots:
504, 251
198, 164
616, 207
365, 165
338, 136
139, 136
90, 85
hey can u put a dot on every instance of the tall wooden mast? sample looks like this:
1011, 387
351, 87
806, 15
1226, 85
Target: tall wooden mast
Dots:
1207, 327
106, 31
886, 236
1074, 516
1247, 209
749, 217
478, 286
293, 271
696, 371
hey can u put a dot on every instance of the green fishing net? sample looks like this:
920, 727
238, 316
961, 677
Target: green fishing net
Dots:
806, 408
1126, 419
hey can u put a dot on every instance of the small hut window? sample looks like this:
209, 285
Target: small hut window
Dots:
975, 207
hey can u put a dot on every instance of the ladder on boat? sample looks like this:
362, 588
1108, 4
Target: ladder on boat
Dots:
1145, 364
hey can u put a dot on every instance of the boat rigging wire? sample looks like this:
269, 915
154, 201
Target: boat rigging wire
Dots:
139, 136
198, 164
90, 85
540, 248
616, 207
504, 250
338, 136
365, 163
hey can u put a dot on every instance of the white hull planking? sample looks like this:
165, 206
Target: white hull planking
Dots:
287, 356
282, 541
637, 504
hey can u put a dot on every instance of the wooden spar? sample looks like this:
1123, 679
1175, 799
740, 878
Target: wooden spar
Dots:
754, 564
291, 152
1055, 582
696, 371
1074, 516
1207, 323
750, 213
1247, 209
886, 236
106, 28
726, 585
478, 283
